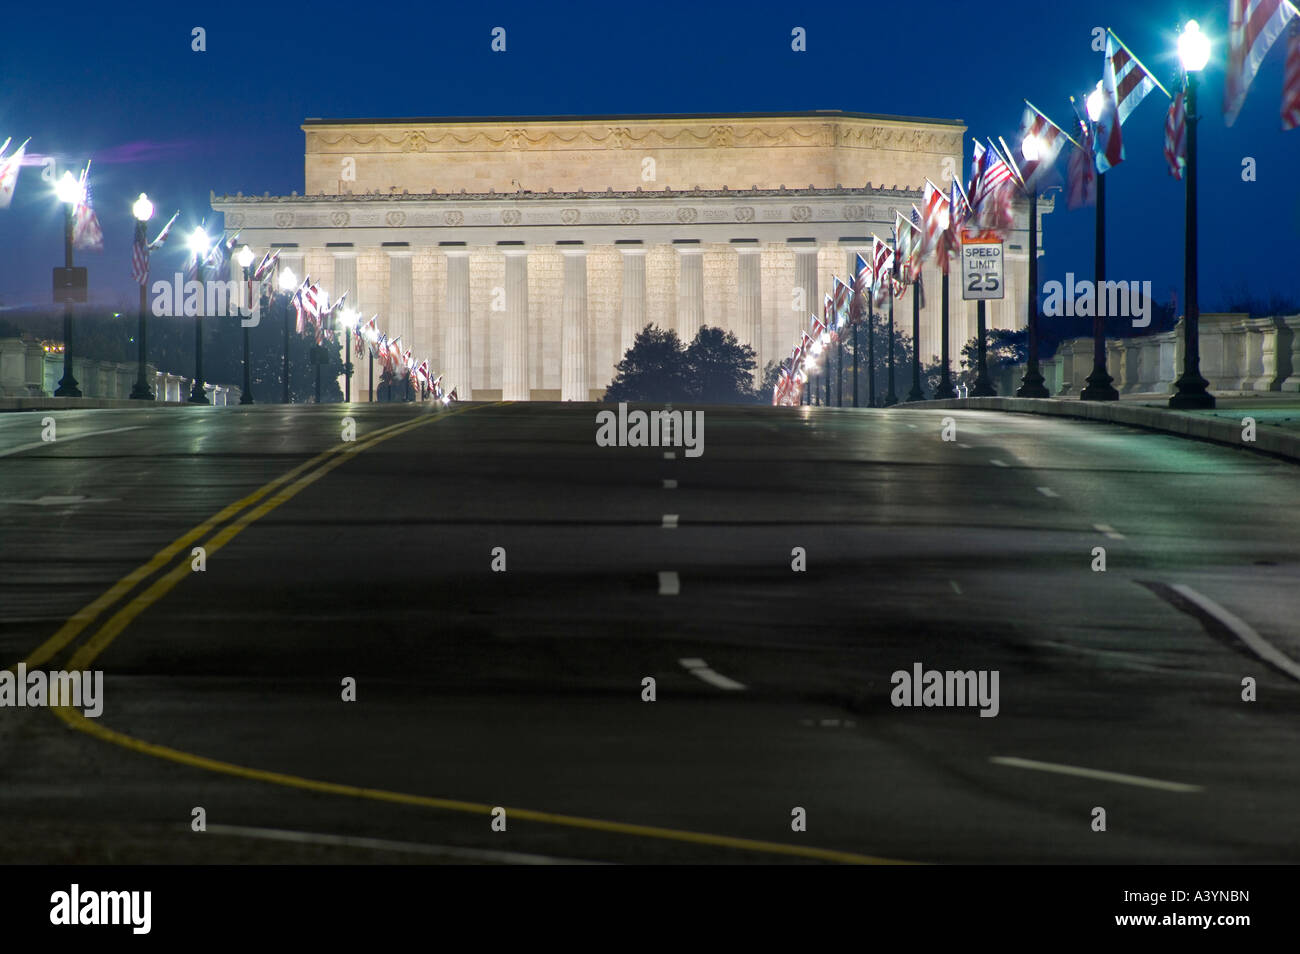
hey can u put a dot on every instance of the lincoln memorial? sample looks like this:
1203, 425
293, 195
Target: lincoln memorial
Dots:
520, 256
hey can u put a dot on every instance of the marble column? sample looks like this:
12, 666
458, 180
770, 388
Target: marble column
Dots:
514, 350
573, 326
633, 301
750, 299
456, 344
805, 277
690, 291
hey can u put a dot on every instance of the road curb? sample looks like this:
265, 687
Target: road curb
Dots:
64, 404
1228, 433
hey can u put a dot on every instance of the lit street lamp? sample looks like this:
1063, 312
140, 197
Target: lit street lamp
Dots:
142, 209
1194, 51
199, 244
1100, 386
288, 281
245, 259
69, 191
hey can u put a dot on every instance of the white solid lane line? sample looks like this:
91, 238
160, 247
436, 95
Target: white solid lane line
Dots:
1241, 629
670, 521
698, 667
63, 440
670, 455
670, 485
1098, 774
1109, 531
669, 584
1048, 492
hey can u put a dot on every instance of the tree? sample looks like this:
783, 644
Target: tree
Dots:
720, 370
653, 369
767, 383
1003, 348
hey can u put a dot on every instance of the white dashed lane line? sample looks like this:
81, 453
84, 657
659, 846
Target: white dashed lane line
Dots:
700, 669
1048, 492
670, 455
1110, 531
670, 485
669, 583
997, 463
1100, 775
670, 521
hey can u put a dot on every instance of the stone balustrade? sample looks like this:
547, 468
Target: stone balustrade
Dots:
28, 370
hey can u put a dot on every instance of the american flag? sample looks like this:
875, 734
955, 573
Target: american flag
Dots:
267, 263
86, 233
862, 283
992, 189
903, 242
158, 242
828, 313
1176, 137
1291, 81
140, 255
1125, 79
843, 297
815, 327
884, 259
1253, 26
917, 260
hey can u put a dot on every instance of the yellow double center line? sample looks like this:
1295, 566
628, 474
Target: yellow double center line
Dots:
246, 511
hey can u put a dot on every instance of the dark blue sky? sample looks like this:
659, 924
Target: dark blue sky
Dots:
119, 84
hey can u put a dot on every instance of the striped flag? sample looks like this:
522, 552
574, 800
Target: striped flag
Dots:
902, 242
987, 183
1253, 26
1051, 140
959, 213
140, 255
1125, 82
158, 242
9, 173
1176, 137
935, 204
268, 262
884, 259
1291, 81
916, 260
1082, 189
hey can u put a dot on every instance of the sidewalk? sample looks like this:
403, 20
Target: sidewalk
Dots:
1277, 417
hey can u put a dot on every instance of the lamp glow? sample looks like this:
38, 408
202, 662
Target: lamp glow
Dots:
244, 257
68, 189
348, 317
288, 280
142, 208
1193, 47
1031, 148
1096, 100
198, 241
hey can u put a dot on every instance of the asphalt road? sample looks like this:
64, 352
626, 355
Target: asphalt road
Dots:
523, 689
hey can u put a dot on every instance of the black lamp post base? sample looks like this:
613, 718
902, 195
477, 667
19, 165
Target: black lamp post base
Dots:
983, 387
246, 398
890, 400
1031, 386
141, 392
916, 394
945, 389
1192, 394
198, 395
1099, 387
68, 387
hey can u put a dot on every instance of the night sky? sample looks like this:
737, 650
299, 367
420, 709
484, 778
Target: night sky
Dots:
120, 85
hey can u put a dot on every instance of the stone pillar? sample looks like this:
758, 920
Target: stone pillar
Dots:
633, 302
805, 277
514, 350
750, 299
573, 326
456, 345
690, 291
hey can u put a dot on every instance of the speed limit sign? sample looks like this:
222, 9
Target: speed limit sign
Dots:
981, 265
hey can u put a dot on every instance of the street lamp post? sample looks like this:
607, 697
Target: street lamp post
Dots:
916, 394
69, 192
945, 389
288, 281
871, 349
245, 259
142, 209
890, 397
1193, 390
199, 245
983, 385
1031, 385
1099, 386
